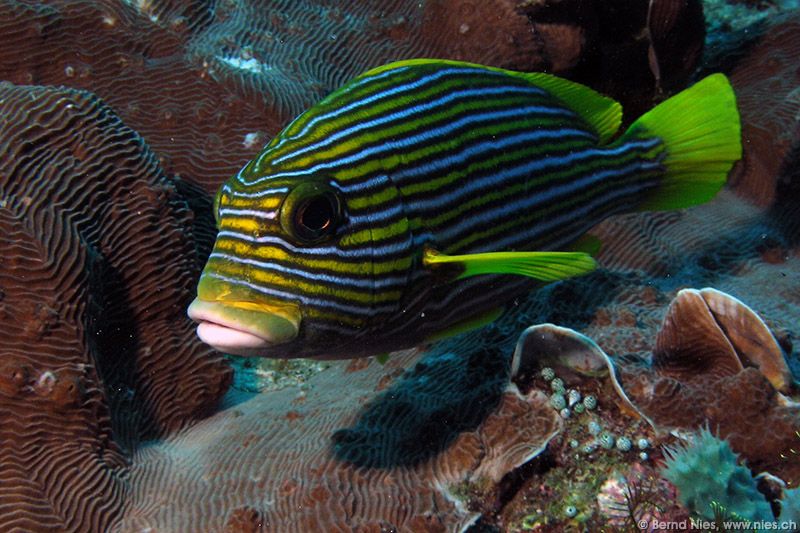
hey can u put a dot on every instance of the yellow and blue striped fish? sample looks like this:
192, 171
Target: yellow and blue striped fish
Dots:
393, 211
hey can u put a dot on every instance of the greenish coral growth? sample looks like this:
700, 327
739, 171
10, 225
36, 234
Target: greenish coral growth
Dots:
707, 473
790, 506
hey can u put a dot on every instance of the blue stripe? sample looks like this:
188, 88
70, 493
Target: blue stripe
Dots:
500, 178
274, 191
331, 279
407, 113
416, 170
323, 251
423, 137
270, 214
376, 217
387, 93
453, 159
570, 214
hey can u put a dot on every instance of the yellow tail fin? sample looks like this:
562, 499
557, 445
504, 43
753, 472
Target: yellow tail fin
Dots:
701, 133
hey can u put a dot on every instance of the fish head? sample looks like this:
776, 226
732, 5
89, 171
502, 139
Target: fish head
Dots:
299, 268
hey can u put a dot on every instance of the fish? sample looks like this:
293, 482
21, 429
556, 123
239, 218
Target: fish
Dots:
420, 198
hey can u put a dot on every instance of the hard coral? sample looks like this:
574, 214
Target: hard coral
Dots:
393, 464
54, 406
766, 83
207, 83
95, 336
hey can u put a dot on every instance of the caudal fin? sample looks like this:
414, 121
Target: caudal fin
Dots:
702, 136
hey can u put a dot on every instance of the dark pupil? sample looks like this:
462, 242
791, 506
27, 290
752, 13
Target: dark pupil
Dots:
317, 214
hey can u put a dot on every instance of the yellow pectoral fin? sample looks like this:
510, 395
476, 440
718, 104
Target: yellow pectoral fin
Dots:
543, 266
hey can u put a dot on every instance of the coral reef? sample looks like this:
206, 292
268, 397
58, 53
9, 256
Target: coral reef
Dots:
207, 83
95, 340
105, 221
450, 424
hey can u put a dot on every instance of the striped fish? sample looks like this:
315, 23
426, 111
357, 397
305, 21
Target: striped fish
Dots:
423, 195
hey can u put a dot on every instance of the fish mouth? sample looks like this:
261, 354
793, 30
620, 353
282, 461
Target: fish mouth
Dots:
244, 328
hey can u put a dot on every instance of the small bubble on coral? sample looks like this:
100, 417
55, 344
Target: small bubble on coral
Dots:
558, 401
557, 385
623, 444
594, 427
642, 443
570, 511
590, 402
607, 440
547, 373
565, 413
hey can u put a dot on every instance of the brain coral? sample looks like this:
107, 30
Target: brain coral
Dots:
95, 339
207, 83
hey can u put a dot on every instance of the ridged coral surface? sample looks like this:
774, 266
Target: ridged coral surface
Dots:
339, 457
97, 353
117, 119
208, 83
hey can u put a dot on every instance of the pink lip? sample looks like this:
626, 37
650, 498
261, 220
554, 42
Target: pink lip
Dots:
242, 329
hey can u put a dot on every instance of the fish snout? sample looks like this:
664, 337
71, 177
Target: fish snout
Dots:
244, 328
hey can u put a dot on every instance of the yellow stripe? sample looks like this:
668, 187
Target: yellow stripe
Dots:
267, 252
375, 235
254, 275
392, 161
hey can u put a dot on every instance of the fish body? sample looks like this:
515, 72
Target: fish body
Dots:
400, 206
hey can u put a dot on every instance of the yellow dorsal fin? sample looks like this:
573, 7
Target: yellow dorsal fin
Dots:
544, 266
602, 113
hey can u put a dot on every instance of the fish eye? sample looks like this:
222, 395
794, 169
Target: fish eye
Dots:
311, 213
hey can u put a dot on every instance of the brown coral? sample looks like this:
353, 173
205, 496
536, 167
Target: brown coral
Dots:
207, 83
715, 363
97, 351
766, 83
271, 458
